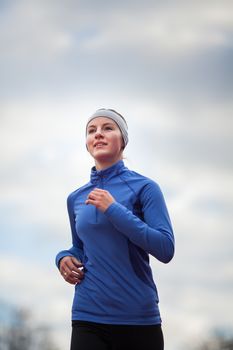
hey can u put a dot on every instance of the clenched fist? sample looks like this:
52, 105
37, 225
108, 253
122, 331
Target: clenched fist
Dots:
101, 199
71, 269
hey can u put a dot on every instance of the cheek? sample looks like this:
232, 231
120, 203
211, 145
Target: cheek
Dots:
88, 142
117, 142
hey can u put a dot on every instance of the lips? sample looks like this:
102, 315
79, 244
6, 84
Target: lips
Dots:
100, 144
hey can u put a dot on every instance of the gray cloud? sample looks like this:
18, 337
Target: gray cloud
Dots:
166, 49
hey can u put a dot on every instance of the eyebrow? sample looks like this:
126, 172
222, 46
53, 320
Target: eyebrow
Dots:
93, 125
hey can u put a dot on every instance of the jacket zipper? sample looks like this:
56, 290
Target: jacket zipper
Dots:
100, 185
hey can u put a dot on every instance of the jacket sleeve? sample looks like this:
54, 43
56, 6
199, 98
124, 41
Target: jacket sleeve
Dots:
77, 246
154, 233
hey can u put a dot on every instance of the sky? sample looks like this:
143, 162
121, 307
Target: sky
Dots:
167, 67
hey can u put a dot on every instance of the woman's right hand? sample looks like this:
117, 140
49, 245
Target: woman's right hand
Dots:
71, 269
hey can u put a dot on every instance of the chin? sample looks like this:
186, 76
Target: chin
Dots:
100, 154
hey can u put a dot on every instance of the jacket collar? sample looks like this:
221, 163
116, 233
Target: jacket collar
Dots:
107, 173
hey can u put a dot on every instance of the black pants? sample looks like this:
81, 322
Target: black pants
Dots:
96, 336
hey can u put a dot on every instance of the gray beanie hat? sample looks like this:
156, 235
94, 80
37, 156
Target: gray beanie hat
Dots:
116, 117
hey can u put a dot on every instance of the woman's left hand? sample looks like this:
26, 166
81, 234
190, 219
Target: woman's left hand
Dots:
101, 199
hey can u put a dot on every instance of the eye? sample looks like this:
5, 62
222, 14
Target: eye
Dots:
90, 131
108, 127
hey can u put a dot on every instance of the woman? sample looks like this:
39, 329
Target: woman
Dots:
117, 219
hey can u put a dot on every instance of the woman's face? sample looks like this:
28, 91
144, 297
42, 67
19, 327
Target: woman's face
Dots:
104, 141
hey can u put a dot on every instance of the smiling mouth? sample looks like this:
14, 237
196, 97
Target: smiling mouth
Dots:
100, 145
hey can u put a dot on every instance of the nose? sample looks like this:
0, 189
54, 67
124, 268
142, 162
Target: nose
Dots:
98, 134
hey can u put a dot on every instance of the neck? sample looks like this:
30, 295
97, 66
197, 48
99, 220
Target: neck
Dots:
105, 164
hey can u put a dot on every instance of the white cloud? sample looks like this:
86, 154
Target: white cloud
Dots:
39, 290
42, 31
30, 31
31, 284
175, 29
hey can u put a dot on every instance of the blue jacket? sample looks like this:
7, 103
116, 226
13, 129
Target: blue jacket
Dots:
114, 246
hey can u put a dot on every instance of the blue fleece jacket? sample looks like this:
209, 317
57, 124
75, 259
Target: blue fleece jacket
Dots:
114, 246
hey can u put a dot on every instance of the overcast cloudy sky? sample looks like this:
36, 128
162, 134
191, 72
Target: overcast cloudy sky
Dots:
167, 66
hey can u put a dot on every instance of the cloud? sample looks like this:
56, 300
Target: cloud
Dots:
39, 290
35, 33
158, 47
178, 28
